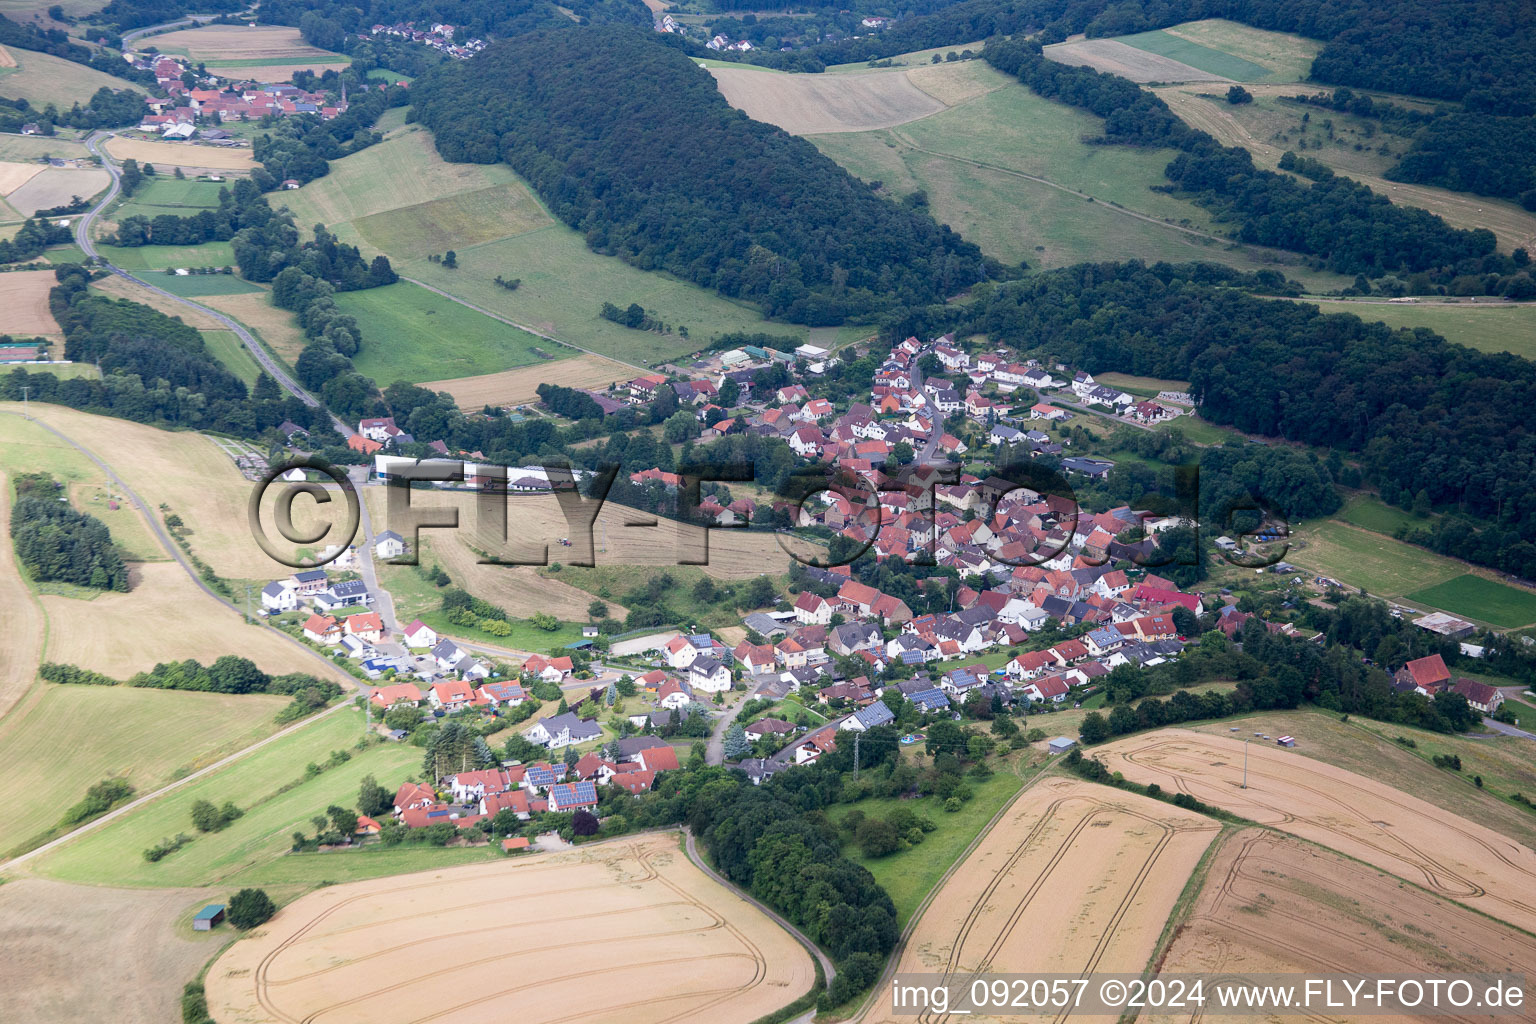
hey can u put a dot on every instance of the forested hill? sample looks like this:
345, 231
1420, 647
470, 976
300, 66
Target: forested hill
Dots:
327, 23
629, 142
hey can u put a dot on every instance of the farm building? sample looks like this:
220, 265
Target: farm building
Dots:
208, 917
1062, 744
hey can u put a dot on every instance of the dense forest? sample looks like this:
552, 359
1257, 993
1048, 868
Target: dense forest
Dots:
1419, 414
327, 23
1350, 229
126, 15
670, 177
58, 544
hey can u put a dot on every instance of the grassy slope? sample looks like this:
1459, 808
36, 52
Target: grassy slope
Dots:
166, 194
42, 79
412, 334
1011, 132
1490, 327
1482, 599
112, 854
1196, 55
70, 737
159, 257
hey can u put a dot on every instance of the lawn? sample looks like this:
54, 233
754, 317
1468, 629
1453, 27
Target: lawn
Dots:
1186, 51
1488, 327
1479, 598
999, 168
1523, 713
411, 334
525, 636
67, 738
564, 285
910, 874
140, 258
269, 785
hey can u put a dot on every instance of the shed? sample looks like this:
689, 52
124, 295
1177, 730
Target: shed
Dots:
1286, 741
209, 916
1062, 744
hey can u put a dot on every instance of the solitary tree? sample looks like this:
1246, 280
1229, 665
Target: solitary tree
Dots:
249, 908
736, 746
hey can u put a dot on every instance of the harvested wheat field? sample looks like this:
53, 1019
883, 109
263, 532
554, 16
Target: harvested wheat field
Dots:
255, 310
185, 471
181, 154
122, 288
535, 525
517, 588
6, 60
1075, 878
808, 104
140, 941
24, 308
120, 634
24, 619
239, 42
1117, 58
627, 931
517, 387
57, 186
1272, 904
1357, 816
14, 175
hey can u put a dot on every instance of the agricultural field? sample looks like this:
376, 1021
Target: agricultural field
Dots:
24, 308
14, 174
20, 657
1285, 57
56, 186
1371, 513
192, 156
1121, 58
140, 942
269, 784
1486, 326
228, 349
198, 286
1270, 903
1381, 565
1074, 878
564, 285
166, 194
63, 739
1483, 599
807, 104
227, 45
148, 259
254, 311
42, 78
519, 387
674, 945
470, 218
1364, 819
411, 334
27, 148
122, 288
1009, 170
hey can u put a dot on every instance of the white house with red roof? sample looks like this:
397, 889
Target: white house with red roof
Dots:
451, 695
812, 609
551, 670
322, 629
398, 693
420, 635
366, 626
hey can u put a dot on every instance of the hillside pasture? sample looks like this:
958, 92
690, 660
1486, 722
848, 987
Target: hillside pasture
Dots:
470, 218
1387, 828
1118, 58
1287, 57
675, 946
1272, 904
807, 104
519, 387
29, 148
412, 334
24, 308
1074, 878
1487, 326
57, 186
1185, 50
187, 155
66, 738
42, 78
139, 941
1381, 565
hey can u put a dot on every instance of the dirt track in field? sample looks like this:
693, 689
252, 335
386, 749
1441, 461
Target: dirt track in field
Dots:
1271, 904
1359, 817
1127, 61
626, 931
1075, 878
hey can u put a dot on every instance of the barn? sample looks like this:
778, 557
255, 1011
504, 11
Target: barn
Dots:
208, 917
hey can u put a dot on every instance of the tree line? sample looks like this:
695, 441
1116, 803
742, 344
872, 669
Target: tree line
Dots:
670, 177
228, 674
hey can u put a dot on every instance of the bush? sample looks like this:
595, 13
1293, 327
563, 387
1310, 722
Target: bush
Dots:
877, 837
953, 804
249, 908
166, 846
98, 800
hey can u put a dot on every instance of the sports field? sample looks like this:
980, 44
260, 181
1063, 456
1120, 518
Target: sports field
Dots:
1357, 816
1479, 598
64, 739
197, 286
166, 194
24, 308
518, 387
1381, 565
411, 334
1270, 903
111, 855
672, 944
1075, 878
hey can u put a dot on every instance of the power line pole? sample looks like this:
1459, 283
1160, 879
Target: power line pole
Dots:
1245, 761
26, 406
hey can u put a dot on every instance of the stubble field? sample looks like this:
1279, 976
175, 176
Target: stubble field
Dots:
806, 104
1115, 57
1272, 904
520, 386
1075, 878
24, 308
660, 943
180, 154
57, 186
238, 42
1357, 816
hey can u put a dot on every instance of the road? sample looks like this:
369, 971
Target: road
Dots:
811, 947
83, 239
365, 551
1507, 730
714, 750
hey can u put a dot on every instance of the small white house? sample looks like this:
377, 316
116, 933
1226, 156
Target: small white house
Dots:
389, 544
419, 634
278, 596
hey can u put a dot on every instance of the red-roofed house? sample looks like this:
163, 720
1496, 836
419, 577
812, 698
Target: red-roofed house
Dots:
1427, 674
812, 610
451, 695
1163, 598
658, 759
322, 629
414, 795
400, 693
366, 626
551, 670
